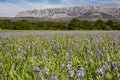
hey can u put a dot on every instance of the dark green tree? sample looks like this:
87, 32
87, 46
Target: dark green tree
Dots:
23, 25
1, 24
116, 26
7, 24
99, 25
86, 25
74, 24
110, 23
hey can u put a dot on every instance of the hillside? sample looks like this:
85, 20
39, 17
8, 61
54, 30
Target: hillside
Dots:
89, 13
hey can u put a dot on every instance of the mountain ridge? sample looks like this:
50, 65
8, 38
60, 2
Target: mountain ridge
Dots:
67, 13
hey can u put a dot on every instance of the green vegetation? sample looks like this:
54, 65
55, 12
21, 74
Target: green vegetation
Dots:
60, 55
74, 24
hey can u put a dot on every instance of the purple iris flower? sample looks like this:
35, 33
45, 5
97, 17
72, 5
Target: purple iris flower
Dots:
38, 74
0, 63
107, 60
45, 58
24, 52
69, 65
69, 54
44, 78
45, 51
97, 41
53, 78
38, 71
46, 70
81, 73
62, 65
106, 67
91, 53
99, 52
72, 74
115, 67
101, 71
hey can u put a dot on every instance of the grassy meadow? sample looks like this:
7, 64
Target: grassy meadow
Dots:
59, 55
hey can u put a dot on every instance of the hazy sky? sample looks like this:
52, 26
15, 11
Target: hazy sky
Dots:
9, 8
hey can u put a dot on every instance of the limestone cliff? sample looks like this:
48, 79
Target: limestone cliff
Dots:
90, 12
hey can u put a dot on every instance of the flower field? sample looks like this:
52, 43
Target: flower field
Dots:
60, 55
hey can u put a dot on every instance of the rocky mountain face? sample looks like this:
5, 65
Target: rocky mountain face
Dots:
90, 12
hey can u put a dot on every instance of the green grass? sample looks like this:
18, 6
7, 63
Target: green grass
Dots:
20, 55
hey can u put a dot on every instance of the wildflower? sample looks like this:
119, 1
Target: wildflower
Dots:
67, 55
91, 53
38, 74
70, 54
107, 60
33, 58
45, 58
69, 65
37, 69
97, 41
45, 51
88, 48
101, 71
115, 67
24, 52
46, 70
72, 74
0, 63
53, 78
106, 67
62, 65
99, 52
80, 73
18, 49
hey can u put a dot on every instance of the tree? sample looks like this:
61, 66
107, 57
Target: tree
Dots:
116, 26
107, 27
7, 24
74, 24
100, 25
110, 23
86, 25
23, 25
1, 24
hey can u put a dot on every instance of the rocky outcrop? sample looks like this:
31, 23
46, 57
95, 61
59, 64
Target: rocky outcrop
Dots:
90, 12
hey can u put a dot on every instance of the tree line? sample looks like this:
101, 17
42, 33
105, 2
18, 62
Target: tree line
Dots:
74, 24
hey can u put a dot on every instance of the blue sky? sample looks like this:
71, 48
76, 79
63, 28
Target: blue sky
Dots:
9, 8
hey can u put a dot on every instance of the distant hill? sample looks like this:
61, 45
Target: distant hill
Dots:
89, 13
64, 14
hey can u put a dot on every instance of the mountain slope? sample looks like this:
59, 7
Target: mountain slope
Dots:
90, 12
